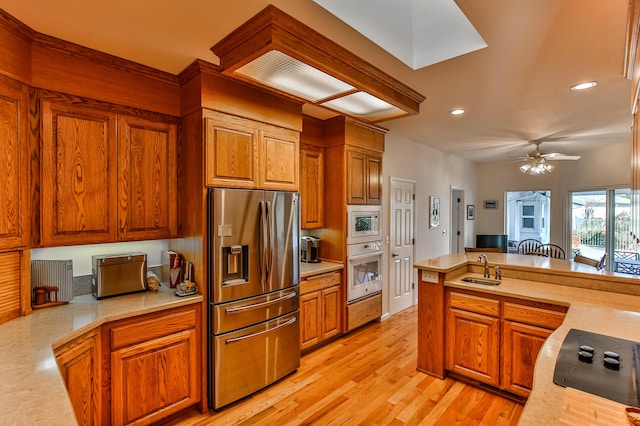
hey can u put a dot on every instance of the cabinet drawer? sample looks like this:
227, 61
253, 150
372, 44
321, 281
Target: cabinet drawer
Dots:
364, 311
533, 315
151, 327
477, 304
318, 282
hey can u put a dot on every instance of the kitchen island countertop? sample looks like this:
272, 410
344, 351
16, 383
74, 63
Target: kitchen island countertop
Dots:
592, 309
32, 390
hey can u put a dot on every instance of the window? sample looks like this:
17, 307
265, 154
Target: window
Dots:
528, 217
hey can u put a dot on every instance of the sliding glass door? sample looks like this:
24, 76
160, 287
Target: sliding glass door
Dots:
600, 224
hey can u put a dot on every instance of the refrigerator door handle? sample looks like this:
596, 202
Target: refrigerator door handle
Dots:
270, 242
260, 305
262, 245
249, 336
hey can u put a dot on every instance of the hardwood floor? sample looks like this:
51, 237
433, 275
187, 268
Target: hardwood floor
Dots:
368, 377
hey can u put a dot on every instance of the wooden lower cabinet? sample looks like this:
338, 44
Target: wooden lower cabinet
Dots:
473, 346
155, 365
320, 316
496, 340
521, 344
364, 311
79, 364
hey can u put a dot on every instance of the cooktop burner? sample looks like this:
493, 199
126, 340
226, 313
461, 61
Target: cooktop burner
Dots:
601, 365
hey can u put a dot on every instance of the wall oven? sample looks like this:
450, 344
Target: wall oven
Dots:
363, 224
364, 270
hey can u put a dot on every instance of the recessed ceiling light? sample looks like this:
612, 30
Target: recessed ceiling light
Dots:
457, 111
583, 86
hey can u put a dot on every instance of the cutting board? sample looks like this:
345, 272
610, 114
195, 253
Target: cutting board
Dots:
581, 408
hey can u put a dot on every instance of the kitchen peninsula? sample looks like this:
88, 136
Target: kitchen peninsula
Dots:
533, 290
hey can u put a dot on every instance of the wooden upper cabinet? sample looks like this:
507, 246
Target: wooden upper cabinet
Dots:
242, 153
78, 180
230, 150
364, 177
278, 159
311, 187
13, 163
147, 170
105, 177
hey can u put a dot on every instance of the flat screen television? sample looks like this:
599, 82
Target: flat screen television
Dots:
495, 240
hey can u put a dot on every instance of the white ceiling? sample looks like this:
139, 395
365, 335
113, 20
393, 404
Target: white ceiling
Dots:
514, 90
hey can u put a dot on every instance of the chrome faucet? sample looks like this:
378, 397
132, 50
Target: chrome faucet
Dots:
483, 257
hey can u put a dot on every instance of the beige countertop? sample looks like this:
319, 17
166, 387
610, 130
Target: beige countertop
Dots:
31, 388
605, 312
309, 269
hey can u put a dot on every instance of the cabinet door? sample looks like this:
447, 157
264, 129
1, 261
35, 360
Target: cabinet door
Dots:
79, 364
330, 312
15, 296
309, 319
278, 159
153, 379
374, 179
78, 179
356, 177
14, 212
230, 151
311, 187
521, 344
472, 345
147, 178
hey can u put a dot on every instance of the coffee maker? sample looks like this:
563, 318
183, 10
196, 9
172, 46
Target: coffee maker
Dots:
309, 249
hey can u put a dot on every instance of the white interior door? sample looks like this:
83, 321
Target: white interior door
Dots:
401, 274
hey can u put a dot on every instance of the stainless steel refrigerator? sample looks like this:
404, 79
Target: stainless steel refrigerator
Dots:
254, 318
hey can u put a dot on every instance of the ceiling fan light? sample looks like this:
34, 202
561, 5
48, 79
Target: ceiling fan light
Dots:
536, 167
584, 86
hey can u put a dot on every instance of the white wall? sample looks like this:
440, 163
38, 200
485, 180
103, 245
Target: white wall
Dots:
81, 255
434, 172
598, 168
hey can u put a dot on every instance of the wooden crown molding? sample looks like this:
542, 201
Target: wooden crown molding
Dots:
35, 38
273, 29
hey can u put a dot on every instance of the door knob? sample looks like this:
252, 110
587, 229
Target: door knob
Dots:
394, 255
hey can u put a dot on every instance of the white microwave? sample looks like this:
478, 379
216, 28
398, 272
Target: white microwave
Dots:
363, 224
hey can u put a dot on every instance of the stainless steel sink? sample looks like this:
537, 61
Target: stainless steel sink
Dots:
483, 281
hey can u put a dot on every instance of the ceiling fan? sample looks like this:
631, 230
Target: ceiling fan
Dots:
537, 164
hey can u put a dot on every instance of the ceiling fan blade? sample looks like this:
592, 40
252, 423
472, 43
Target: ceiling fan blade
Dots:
558, 156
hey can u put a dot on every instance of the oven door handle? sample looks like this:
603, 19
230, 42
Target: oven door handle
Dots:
260, 305
362, 256
249, 336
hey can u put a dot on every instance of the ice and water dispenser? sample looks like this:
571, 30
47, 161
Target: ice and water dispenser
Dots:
235, 265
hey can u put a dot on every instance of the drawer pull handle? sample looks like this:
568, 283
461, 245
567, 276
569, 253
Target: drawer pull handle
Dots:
260, 305
249, 336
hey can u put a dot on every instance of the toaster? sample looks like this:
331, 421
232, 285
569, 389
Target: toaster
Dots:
115, 274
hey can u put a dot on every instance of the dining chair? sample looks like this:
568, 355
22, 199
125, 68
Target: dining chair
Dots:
596, 263
552, 250
480, 249
528, 245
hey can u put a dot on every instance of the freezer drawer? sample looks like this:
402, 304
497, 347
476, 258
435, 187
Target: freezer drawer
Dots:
243, 313
247, 360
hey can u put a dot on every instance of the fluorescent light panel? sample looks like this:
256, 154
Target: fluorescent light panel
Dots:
281, 71
365, 105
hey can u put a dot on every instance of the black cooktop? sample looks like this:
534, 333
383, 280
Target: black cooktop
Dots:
600, 365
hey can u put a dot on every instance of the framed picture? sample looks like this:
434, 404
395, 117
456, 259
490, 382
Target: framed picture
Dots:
471, 212
434, 212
